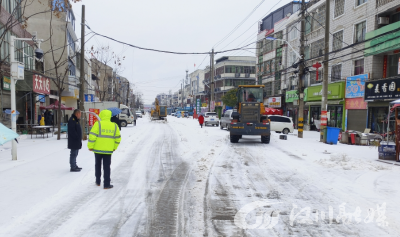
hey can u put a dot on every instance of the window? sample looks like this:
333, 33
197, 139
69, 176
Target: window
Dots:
268, 88
339, 8
291, 58
71, 68
337, 41
317, 48
308, 25
359, 2
359, 67
336, 73
293, 33
359, 32
319, 18
307, 52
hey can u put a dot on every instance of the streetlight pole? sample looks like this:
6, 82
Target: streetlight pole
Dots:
14, 71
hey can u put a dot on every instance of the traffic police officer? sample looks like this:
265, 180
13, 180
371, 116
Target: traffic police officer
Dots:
104, 138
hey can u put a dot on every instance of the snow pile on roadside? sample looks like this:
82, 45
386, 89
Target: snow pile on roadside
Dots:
346, 162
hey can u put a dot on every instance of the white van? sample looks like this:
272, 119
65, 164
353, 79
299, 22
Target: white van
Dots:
281, 124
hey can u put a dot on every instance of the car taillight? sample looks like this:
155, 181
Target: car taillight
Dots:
234, 121
265, 121
206, 116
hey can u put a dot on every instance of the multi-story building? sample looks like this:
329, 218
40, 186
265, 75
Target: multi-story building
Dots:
230, 72
102, 76
10, 24
363, 45
60, 21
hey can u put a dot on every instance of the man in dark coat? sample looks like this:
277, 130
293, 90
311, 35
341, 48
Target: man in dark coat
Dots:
115, 120
74, 139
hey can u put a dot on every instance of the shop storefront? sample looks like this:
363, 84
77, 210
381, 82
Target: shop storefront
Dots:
336, 114
356, 107
379, 94
291, 107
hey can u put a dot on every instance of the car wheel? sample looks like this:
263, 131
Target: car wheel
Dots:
285, 131
234, 138
265, 139
123, 124
220, 126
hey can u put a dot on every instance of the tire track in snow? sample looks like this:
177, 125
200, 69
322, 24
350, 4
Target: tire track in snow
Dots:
52, 219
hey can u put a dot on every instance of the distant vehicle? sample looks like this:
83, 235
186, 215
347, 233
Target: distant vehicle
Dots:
281, 124
159, 112
186, 114
211, 118
138, 114
226, 119
125, 117
250, 118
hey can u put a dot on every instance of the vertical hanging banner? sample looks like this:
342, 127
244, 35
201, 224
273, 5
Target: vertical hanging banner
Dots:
92, 118
6, 83
385, 62
324, 118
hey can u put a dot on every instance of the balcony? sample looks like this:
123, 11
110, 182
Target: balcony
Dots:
380, 3
385, 43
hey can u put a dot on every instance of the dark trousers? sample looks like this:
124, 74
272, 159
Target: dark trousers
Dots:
106, 167
201, 125
72, 157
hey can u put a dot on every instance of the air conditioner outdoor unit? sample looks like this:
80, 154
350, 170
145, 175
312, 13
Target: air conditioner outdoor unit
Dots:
383, 20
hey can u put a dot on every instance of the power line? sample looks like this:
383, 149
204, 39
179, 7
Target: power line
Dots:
240, 24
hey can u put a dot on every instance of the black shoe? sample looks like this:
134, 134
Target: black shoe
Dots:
98, 184
108, 187
78, 167
75, 170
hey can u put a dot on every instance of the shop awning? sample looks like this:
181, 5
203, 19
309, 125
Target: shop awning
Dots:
330, 102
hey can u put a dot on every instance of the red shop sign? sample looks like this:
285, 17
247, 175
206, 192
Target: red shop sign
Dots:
356, 103
41, 84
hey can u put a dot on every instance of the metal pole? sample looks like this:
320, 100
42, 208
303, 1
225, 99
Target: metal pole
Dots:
324, 101
212, 78
13, 102
82, 77
300, 122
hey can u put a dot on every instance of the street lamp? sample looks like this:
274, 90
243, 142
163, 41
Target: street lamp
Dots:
273, 39
17, 73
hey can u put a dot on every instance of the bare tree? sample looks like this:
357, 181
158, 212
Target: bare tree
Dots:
105, 65
61, 66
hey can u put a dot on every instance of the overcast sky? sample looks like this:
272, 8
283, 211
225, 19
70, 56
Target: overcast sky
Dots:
175, 25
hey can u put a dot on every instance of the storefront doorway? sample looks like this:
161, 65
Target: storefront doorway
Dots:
335, 115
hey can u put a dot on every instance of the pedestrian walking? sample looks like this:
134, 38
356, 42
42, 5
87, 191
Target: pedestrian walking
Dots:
115, 120
201, 120
74, 139
104, 138
134, 118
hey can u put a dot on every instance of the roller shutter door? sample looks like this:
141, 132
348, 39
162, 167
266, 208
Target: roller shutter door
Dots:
357, 119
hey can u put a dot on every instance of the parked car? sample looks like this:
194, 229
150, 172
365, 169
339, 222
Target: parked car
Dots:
138, 114
226, 119
281, 124
186, 114
172, 114
211, 118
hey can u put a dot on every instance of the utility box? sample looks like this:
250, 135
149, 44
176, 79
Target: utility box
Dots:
387, 151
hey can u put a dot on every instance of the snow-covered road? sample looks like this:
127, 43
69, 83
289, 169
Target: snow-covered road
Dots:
176, 179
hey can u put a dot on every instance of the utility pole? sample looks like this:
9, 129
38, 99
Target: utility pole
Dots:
212, 76
127, 96
324, 101
182, 94
82, 77
300, 122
